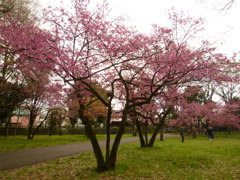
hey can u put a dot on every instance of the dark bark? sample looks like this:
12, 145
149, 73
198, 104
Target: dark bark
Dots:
159, 126
134, 132
108, 136
50, 130
7, 126
146, 133
154, 135
101, 164
35, 131
33, 116
15, 130
140, 135
194, 134
8, 122
29, 132
30, 126
161, 134
51, 125
113, 154
229, 130
86, 133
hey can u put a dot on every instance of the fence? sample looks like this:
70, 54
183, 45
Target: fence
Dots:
81, 131
63, 131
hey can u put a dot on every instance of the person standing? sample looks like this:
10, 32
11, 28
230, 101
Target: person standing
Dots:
211, 133
182, 134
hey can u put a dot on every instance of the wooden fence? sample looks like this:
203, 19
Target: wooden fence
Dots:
63, 131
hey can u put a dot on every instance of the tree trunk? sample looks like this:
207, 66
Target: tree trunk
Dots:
161, 134
108, 136
8, 123
146, 133
15, 130
142, 141
159, 126
194, 135
113, 154
154, 135
101, 164
50, 130
35, 131
86, 133
229, 130
30, 125
7, 127
50, 125
134, 132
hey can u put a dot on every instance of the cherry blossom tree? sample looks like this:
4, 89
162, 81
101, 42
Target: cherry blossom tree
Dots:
86, 41
195, 117
93, 109
25, 50
197, 111
134, 68
156, 114
44, 94
229, 111
229, 115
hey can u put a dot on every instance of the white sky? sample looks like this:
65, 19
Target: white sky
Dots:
144, 13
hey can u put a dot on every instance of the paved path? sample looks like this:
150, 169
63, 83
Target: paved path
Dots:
15, 159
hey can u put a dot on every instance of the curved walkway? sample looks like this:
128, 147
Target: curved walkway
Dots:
16, 159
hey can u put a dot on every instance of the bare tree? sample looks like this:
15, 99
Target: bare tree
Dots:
222, 6
228, 4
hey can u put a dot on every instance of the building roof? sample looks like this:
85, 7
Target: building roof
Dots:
21, 112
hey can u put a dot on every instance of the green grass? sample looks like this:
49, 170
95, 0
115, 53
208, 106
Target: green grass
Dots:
194, 159
12, 143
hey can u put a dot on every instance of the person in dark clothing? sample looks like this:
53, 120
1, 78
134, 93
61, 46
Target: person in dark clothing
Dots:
211, 133
182, 134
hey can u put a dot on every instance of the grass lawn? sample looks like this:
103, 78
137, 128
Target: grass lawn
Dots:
12, 143
194, 159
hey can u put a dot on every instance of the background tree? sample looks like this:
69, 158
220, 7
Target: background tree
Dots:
229, 112
55, 119
44, 94
81, 101
24, 50
223, 5
156, 114
72, 113
11, 96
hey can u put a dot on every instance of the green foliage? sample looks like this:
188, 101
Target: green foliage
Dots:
11, 95
170, 159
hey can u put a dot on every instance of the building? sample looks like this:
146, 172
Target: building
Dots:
20, 118
117, 119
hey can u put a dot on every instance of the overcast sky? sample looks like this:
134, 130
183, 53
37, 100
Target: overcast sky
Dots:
143, 13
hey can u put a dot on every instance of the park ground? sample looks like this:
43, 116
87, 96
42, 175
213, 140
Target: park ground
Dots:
196, 158
13, 143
